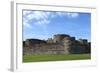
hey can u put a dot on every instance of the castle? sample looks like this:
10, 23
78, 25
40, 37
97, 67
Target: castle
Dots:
59, 44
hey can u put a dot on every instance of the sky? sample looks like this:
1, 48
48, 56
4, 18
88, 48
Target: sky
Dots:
45, 24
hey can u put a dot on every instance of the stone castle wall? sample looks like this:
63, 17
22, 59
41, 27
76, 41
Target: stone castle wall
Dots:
60, 44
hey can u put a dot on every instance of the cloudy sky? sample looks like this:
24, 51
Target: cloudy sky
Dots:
44, 24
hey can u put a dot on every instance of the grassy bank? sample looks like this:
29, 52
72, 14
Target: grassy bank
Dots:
40, 58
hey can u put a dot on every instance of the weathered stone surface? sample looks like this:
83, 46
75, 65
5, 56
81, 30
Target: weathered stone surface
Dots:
60, 44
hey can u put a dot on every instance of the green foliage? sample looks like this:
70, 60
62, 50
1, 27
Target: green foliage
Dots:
40, 58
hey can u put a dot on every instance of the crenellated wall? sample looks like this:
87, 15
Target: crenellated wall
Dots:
60, 44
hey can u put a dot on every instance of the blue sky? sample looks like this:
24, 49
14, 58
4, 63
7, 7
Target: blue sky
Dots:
44, 24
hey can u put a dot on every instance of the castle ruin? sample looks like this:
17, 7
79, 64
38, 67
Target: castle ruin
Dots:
59, 44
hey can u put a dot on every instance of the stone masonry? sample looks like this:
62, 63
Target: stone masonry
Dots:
60, 44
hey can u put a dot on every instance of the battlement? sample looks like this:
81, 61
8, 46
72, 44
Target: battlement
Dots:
66, 43
60, 37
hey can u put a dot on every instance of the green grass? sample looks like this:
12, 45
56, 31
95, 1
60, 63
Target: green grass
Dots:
40, 58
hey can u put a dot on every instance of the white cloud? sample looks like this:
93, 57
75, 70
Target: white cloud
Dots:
61, 13
26, 12
68, 14
43, 22
27, 25
42, 19
72, 15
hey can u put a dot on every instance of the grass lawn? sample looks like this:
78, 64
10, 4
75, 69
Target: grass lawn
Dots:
40, 58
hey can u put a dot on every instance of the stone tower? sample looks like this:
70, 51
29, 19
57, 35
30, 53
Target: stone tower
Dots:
59, 37
67, 45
